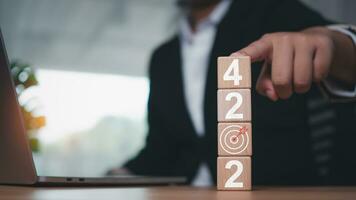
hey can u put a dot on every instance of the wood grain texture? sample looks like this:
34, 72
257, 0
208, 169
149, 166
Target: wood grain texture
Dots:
244, 69
176, 192
227, 170
234, 139
227, 99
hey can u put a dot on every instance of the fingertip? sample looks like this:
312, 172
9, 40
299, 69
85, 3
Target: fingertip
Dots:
271, 95
238, 53
267, 91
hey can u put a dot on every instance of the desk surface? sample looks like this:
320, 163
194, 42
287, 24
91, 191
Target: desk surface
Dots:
176, 192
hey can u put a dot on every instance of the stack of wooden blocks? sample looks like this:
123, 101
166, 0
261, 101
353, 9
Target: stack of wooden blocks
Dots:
234, 123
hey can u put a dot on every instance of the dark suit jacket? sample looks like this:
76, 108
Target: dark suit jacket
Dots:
282, 142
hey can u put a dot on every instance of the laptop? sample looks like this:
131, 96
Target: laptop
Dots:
16, 163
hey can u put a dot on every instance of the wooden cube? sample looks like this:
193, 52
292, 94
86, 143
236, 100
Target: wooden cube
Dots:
234, 139
234, 173
234, 72
234, 105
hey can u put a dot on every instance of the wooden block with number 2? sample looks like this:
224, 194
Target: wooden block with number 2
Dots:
234, 173
234, 72
234, 105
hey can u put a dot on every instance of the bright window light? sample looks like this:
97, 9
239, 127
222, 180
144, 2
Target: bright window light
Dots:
93, 121
76, 101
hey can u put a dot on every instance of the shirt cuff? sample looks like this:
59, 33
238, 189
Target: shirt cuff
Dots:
349, 30
336, 90
340, 89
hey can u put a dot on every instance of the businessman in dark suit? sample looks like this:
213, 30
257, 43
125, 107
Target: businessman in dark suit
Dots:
296, 57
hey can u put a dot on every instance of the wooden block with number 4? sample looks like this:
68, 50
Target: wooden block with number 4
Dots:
234, 105
234, 173
234, 72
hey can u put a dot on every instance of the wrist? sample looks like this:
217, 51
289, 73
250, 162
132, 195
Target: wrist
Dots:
343, 65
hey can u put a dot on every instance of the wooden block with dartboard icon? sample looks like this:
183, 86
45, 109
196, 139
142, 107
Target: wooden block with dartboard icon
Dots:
234, 173
234, 72
234, 105
234, 139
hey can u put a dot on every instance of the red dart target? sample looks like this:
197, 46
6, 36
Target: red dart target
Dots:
234, 139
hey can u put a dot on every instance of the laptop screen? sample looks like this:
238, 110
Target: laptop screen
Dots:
14, 148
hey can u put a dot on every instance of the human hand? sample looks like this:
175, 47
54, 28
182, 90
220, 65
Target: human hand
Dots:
294, 60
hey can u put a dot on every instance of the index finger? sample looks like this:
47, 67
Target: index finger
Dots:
258, 50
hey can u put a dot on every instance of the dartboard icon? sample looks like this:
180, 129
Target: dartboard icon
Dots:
234, 139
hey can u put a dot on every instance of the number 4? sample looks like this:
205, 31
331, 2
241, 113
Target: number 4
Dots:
232, 72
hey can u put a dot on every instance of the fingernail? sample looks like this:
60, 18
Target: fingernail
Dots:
270, 95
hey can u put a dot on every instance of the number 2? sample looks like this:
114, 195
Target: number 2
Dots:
231, 113
231, 182
232, 73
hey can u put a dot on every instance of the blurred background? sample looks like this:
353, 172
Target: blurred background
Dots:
81, 74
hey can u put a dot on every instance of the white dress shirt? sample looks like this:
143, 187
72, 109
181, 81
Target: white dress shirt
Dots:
196, 48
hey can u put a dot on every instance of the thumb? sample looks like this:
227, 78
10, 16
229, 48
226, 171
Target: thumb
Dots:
264, 85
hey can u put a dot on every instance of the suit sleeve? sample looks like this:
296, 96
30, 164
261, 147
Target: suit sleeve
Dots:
290, 15
158, 145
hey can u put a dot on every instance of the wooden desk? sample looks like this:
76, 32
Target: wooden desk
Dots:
175, 192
